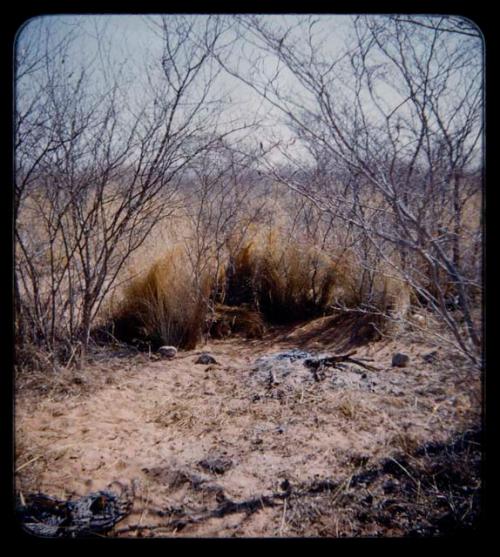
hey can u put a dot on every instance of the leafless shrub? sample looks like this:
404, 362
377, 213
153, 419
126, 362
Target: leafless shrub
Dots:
96, 170
398, 167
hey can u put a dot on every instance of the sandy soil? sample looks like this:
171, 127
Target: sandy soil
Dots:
149, 423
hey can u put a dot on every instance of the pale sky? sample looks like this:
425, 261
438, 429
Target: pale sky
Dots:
131, 41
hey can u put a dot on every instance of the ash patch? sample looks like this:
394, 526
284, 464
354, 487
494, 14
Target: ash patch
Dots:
282, 368
292, 369
436, 491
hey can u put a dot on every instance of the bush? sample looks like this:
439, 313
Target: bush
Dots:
167, 305
289, 281
242, 321
268, 278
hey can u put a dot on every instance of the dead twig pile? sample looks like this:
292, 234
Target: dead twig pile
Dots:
318, 364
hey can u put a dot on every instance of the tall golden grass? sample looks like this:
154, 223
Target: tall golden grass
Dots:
272, 266
288, 280
284, 280
267, 279
270, 272
166, 305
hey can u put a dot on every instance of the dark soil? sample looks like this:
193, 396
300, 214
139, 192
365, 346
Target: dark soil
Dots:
433, 492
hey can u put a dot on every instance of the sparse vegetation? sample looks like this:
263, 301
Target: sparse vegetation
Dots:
336, 210
289, 240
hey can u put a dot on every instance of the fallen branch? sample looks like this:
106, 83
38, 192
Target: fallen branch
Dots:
333, 361
249, 506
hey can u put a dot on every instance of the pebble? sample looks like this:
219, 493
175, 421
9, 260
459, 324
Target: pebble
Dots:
400, 360
167, 351
205, 359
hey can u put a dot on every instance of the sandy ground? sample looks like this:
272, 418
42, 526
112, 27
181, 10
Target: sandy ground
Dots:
149, 423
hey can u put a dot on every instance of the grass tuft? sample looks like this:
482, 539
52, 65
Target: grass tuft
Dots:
166, 305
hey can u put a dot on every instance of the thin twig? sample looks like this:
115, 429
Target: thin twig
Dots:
283, 519
404, 470
26, 463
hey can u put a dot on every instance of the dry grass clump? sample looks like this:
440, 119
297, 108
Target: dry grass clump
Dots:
267, 278
242, 321
295, 283
287, 280
284, 280
166, 305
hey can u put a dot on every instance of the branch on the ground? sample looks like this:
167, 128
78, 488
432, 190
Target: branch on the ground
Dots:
332, 361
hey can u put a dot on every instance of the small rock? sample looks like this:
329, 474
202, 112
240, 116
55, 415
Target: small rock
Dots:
285, 485
216, 465
205, 359
400, 360
430, 357
167, 351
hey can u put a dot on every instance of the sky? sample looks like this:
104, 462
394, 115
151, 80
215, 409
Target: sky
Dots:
130, 40
126, 44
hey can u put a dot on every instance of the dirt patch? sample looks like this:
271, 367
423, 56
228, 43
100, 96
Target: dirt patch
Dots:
152, 423
345, 331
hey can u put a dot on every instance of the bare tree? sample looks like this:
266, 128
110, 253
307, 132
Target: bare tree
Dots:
225, 201
397, 110
96, 169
